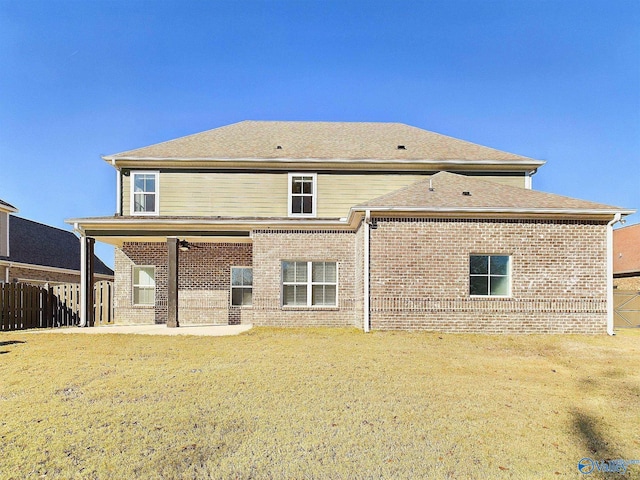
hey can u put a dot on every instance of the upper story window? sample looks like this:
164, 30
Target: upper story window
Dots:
490, 275
302, 194
144, 193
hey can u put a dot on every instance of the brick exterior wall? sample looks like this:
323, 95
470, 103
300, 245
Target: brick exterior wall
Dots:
204, 277
204, 283
270, 248
420, 276
139, 253
27, 275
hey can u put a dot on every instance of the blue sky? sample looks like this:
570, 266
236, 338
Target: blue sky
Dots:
552, 80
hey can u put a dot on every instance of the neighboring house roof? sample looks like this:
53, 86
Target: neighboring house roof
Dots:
320, 140
36, 244
7, 207
445, 192
626, 250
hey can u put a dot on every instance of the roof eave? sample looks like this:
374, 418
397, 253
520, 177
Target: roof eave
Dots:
632, 272
191, 224
496, 212
5, 207
213, 162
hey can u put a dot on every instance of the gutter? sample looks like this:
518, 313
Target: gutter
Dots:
610, 312
118, 188
113, 159
502, 210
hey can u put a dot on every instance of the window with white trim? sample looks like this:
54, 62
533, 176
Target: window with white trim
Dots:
144, 193
490, 275
310, 284
144, 285
302, 194
241, 286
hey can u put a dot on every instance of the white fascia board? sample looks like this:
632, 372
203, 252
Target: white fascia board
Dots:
186, 224
503, 211
626, 272
8, 208
341, 161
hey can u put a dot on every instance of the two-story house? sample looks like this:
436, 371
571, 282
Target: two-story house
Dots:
31, 252
374, 225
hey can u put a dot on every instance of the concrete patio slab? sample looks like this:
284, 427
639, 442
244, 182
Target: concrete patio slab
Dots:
199, 330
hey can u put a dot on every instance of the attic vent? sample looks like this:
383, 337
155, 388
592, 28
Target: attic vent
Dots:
401, 147
279, 147
466, 194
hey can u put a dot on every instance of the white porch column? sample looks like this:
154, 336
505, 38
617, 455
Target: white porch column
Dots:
86, 281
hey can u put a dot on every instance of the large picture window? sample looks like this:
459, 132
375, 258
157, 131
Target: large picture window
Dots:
490, 275
302, 194
144, 285
309, 284
241, 286
144, 193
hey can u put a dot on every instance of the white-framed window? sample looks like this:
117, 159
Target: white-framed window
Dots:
145, 192
302, 194
241, 286
309, 284
144, 285
490, 275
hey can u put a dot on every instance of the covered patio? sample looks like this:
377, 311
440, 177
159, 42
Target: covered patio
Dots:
159, 329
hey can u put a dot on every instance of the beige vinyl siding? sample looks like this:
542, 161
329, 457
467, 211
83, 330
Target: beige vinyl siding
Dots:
224, 194
125, 191
512, 181
338, 193
265, 194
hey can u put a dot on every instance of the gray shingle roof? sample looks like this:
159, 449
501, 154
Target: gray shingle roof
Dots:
448, 193
319, 140
37, 244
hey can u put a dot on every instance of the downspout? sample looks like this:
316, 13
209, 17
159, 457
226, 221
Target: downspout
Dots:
528, 184
367, 232
83, 275
610, 225
118, 191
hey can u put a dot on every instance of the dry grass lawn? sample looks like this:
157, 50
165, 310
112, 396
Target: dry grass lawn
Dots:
316, 403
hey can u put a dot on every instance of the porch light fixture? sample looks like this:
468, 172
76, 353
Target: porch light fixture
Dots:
184, 246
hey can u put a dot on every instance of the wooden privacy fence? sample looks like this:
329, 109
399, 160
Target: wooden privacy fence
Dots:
626, 307
24, 306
